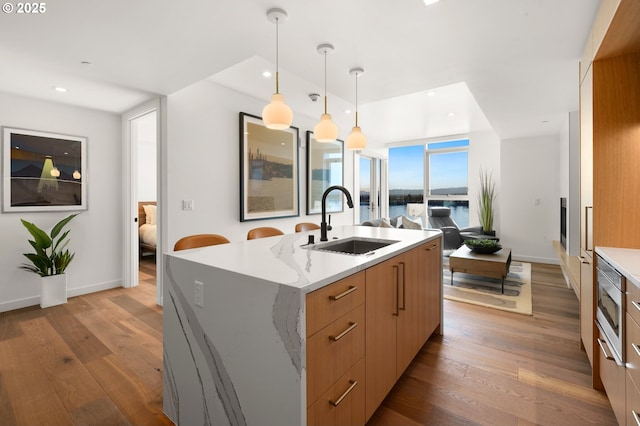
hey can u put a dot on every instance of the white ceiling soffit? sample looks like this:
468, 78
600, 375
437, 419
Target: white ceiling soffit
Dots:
519, 58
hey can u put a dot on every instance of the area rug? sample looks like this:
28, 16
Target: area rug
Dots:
482, 291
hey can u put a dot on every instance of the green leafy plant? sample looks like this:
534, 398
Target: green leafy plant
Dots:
486, 198
51, 256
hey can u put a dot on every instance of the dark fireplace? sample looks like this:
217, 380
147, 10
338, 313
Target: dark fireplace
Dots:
563, 222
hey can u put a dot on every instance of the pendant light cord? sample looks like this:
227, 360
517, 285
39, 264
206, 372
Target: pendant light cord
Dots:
356, 99
277, 55
325, 81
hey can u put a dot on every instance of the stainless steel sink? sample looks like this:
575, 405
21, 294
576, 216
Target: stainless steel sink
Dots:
353, 245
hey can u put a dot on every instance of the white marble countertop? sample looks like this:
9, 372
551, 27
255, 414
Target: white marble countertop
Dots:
626, 261
286, 260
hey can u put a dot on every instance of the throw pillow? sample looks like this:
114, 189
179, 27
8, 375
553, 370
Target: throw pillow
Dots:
408, 223
150, 212
384, 223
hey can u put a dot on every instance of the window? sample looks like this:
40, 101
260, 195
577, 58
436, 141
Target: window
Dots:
406, 178
448, 178
437, 172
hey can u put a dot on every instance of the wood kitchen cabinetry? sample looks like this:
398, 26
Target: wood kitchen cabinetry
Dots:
335, 353
396, 305
609, 150
403, 308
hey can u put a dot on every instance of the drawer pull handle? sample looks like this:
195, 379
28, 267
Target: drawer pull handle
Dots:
354, 383
352, 288
397, 307
433, 247
352, 325
636, 417
635, 304
636, 348
404, 289
602, 345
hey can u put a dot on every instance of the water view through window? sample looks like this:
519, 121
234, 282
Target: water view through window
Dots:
447, 178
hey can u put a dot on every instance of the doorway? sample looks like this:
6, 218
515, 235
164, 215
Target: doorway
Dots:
370, 176
141, 159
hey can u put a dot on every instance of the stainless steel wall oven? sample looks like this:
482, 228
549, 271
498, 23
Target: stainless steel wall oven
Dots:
610, 290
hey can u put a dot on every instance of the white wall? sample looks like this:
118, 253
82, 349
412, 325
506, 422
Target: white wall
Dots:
145, 138
203, 164
530, 196
484, 153
95, 236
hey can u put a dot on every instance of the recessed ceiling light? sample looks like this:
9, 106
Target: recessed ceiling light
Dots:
59, 89
452, 114
431, 93
266, 74
429, 2
347, 111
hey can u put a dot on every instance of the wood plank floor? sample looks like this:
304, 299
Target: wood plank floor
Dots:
98, 361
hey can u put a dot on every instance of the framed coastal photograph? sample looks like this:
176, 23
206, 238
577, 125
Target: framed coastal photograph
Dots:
325, 168
269, 176
43, 171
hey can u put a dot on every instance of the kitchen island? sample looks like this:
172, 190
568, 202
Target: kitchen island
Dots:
277, 332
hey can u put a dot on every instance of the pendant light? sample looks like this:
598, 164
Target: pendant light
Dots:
326, 130
356, 140
277, 115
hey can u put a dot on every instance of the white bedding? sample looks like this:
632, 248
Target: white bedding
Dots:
148, 234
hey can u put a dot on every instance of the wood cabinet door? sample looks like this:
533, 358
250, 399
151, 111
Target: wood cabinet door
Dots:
408, 309
381, 313
430, 290
587, 307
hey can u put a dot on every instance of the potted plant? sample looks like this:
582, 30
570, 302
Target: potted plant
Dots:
486, 198
50, 260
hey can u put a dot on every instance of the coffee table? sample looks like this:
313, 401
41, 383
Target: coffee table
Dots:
495, 265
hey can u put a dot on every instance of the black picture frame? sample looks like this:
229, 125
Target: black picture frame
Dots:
43, 171
325, 167
269, 170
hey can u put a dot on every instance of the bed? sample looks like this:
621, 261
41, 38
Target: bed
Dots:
147, 233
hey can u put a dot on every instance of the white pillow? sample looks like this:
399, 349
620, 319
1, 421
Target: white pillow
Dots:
384, 223
150, 212
408, 223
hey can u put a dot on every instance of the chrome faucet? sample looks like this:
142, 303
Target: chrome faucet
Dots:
323, 224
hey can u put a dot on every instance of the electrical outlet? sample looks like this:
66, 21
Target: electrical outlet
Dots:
187, 204
198, 294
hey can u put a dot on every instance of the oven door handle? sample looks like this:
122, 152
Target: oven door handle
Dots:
604, 347
605, 350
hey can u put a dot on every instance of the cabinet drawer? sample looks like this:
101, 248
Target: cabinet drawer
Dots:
633, 301
632, 350
327, 304
633, 403
332, 351
343, 403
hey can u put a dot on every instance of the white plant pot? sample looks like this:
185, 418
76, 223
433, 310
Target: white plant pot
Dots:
54, 290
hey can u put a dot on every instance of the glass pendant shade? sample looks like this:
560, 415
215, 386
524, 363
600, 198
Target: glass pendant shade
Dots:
356, 140
326, 130
277, 115
55, 172
76, 174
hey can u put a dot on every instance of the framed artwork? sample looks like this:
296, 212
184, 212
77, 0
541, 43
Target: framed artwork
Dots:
269, 171
325, 168
43, 171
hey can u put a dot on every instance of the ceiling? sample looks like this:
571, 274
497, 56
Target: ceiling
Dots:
510, 65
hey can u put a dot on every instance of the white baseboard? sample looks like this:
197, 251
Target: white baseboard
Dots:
78, 291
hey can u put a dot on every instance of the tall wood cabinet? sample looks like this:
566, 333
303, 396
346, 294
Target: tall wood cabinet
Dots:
610, 151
